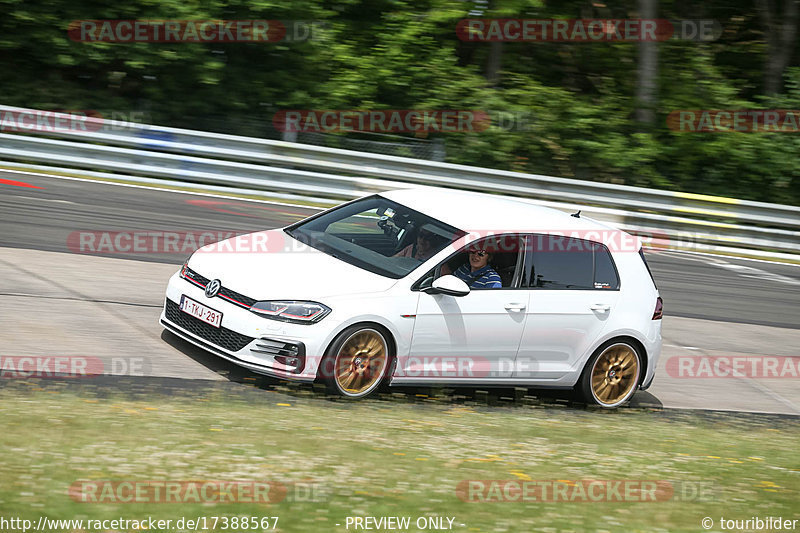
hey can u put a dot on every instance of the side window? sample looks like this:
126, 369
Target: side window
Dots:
500, 253
605, 274
557, 263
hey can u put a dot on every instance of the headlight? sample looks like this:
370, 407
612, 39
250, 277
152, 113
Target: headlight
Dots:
184, 267
291, 311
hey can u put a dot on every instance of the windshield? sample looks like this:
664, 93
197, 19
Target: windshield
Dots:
376, 234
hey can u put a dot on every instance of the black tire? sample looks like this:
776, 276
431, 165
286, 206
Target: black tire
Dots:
612, 374
358, 361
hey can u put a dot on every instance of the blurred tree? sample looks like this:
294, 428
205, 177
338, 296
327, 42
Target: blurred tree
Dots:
567, 109
780, 29
647, 72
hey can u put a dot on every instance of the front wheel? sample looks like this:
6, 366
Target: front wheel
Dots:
611, 375
357, 362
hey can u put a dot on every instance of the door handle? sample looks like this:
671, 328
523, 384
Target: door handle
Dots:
513, 306
603, 308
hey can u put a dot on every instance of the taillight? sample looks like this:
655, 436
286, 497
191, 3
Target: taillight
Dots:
659, 312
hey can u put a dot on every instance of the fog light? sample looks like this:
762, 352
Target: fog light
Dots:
290, 354
294, 362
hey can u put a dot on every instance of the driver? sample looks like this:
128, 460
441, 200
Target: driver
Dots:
477, 273
422, 249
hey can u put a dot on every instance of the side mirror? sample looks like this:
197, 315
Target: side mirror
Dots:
449, 285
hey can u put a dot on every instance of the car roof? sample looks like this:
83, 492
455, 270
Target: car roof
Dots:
480, 212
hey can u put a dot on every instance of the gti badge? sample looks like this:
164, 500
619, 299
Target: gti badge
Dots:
213, 288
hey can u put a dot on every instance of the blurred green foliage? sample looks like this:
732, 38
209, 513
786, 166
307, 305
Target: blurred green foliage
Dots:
574, 103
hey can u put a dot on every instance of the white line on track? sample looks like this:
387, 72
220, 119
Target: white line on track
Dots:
742, 270
685, 253
753, 383
163, 189
38, 199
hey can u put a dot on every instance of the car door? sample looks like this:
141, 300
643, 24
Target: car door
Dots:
573, 290
470, 338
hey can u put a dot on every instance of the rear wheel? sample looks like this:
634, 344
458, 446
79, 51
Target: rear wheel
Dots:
611, 375
357, 362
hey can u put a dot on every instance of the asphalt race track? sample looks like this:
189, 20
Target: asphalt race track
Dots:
58, 300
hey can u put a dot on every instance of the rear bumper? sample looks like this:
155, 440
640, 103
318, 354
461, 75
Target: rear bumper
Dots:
652, 346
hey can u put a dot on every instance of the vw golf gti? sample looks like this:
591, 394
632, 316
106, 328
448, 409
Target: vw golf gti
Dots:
424, 287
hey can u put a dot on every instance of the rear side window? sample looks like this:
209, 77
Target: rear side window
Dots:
555, 262
641, 254
605, 274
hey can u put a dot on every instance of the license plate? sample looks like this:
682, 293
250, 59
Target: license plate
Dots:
198, 310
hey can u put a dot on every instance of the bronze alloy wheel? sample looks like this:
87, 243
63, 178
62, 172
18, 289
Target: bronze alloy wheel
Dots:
360, 362
614, 375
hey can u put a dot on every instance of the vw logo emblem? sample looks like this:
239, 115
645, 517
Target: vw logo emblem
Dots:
213, 287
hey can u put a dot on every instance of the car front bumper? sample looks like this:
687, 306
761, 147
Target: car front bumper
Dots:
242, 334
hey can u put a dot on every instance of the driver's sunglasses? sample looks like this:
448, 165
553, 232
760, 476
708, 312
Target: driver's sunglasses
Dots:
479, 253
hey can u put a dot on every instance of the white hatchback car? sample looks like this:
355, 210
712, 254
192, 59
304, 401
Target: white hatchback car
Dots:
424, 287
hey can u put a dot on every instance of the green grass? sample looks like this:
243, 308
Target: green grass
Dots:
399, 456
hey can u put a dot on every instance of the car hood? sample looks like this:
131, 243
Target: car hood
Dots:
271, 265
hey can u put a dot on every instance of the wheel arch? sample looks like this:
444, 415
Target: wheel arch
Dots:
642, 350
334, 337
583, 387
617, 337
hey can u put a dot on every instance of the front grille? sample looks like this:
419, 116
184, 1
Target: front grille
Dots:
222, 337
189, 273
225, 293
236, 298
